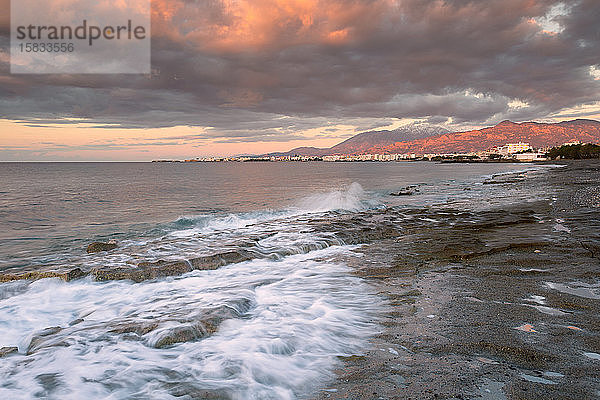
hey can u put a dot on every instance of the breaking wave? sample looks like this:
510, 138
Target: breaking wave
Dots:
253, 330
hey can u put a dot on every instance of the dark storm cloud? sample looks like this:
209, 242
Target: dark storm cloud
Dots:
325, 63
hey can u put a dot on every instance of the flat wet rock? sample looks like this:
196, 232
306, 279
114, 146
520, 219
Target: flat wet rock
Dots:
97, 247
459, 285
66, 276
143, 272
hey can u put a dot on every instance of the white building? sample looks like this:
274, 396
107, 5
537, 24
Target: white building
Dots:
529, 157
512, 148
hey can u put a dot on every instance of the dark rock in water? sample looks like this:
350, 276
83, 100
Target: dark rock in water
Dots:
189, 333
108, 274
50, 331
180, 335
44, 338
191, 390
202, 327
66, 276
132, 327
144, 271
41, 343
160, 269
101, 246
406, 191
75, 273
4, 351
76, 321
217, 260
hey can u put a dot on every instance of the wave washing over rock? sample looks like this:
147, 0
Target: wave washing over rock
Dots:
222, 240
253, 330
245, 305
265, 314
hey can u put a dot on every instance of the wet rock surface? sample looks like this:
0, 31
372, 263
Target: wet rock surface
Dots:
4, 351
159, 333
143, 271
346, 228
66, 275
407, 191
496, 304
97, 247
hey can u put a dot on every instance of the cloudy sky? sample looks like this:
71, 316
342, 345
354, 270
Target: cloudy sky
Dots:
252, 76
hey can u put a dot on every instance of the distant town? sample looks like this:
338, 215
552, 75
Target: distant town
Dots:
509, 152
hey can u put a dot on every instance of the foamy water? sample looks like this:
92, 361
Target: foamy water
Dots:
270, 327
285, 323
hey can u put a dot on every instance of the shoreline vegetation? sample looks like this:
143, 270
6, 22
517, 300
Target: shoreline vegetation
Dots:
575, 152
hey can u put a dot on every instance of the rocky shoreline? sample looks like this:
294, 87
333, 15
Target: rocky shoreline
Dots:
137, 273
489, 303
351, 229
497, 304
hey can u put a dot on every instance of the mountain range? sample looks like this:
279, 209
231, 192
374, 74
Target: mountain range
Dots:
423, 139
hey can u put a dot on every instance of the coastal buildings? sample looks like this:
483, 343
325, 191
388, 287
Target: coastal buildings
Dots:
512, 148
368, 157
509, 152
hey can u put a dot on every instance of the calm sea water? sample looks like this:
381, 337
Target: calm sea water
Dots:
270, 327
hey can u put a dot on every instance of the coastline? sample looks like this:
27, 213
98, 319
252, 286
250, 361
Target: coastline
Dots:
498, 304
475, 287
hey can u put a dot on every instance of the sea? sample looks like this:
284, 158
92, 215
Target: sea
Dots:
270, 319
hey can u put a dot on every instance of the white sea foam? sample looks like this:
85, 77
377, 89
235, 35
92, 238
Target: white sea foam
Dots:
270, 233
352, 199
294, 317
208, 223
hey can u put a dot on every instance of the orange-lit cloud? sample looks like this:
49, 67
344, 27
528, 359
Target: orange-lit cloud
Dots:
233, 75
247, 25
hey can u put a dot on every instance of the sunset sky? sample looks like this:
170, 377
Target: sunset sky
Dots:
254, 76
